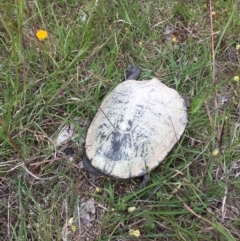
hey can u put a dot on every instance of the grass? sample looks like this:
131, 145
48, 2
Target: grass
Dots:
45, 85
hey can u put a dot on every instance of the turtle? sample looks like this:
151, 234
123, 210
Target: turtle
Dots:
134, 129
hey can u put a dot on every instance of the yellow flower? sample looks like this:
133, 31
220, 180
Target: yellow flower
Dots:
73, 228
70, 224
237, 46
236, 78
133, 232
41, 34
174, 40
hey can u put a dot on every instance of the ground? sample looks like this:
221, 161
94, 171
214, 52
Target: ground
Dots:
54, 80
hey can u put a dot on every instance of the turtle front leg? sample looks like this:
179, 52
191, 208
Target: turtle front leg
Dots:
145, 181
92, 172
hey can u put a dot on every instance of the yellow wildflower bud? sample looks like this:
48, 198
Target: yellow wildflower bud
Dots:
131, 209
97, 189
133, 232
174, 40
215, 152
213, 13
70, 221
127, 31
237, 46
71, 226
236, 78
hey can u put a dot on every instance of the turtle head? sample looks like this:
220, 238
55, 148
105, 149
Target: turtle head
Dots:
133, 72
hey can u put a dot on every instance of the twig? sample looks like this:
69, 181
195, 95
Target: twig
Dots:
212, 43
219, 130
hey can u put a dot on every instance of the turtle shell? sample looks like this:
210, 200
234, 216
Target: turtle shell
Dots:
136, 126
